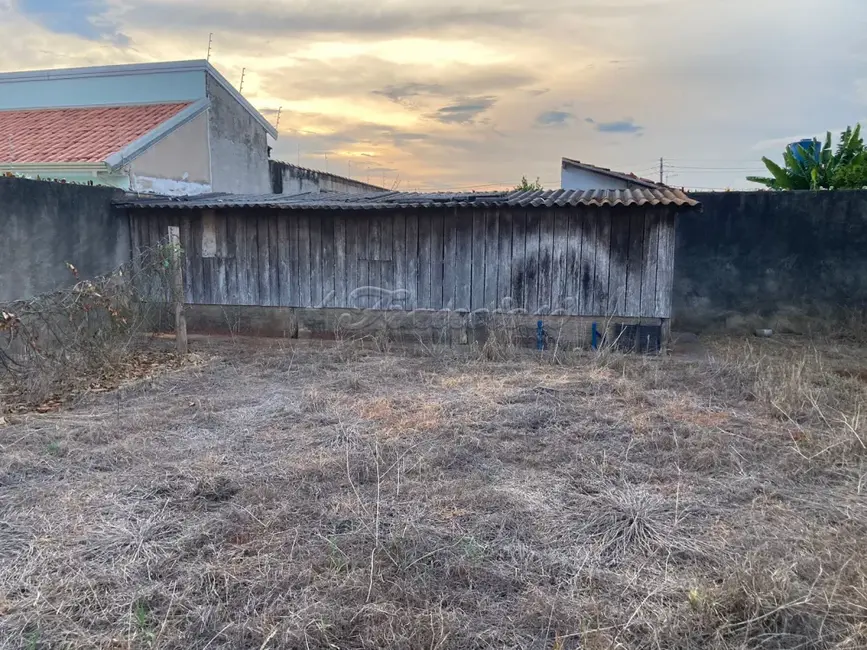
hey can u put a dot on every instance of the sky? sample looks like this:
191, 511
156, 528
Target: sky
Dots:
475, 94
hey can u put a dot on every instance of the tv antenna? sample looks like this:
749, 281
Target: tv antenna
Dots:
241, 87
210, 41
277, 126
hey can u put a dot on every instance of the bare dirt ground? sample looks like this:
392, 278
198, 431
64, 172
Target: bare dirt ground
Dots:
348, 495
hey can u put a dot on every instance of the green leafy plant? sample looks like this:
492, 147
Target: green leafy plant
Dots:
527, 186
820, 166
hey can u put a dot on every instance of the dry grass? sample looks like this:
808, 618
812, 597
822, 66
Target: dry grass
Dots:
339, 496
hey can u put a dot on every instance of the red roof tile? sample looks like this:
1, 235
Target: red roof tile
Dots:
70, 135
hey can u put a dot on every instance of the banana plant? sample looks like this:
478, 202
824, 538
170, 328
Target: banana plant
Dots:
815, 168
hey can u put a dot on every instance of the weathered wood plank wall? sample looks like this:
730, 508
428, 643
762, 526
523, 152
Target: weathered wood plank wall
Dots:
581, 262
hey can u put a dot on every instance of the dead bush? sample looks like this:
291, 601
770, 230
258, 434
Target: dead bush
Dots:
53, 342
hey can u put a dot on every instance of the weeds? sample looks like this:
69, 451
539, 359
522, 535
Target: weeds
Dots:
52, 342
331, 495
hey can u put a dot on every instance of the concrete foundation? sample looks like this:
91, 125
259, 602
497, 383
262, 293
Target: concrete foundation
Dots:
441, 327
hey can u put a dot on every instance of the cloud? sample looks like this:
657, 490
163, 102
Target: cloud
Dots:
89, 19
452, 92
332, 17
620, 126
404, 84
399, 93
554, 118
465, 112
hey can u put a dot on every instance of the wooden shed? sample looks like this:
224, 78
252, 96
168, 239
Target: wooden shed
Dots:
596, 254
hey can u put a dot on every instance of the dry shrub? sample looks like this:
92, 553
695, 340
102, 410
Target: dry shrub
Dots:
627, 521
55, 341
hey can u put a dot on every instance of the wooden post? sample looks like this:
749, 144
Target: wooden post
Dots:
178, 289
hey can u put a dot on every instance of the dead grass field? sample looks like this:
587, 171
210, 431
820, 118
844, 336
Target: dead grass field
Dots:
304, 495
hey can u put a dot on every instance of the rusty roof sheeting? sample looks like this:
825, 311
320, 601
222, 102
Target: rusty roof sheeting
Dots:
405, 200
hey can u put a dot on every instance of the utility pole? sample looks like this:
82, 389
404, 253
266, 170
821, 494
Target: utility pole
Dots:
661, 170
210, 40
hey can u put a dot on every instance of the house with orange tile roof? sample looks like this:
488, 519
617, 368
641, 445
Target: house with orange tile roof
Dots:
176, 128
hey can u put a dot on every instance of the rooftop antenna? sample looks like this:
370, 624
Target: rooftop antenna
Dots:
277, 126
241, 87
210, 40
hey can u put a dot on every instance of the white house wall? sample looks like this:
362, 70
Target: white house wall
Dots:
239, 146
572, 178
179, 164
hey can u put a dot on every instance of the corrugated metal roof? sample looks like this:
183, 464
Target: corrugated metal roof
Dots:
404, 200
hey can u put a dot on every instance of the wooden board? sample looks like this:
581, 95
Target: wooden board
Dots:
362, 245
632, 306
304, 265
273, 259
450, 236
282, 264
505, 301
294, 260
412, 260
547, 293
386, 258
425, 261
518, 289
221, 280
340, 283
492, 267
602, 255
398, 235
199, 282
560, 303
532, 261
477, 265
618, 260
314, 229
588, 233
649, 257
665, 265
463, 263
264, 260
186, 242
437, 248
329, 260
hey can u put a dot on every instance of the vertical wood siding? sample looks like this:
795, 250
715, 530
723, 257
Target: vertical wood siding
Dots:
580, 262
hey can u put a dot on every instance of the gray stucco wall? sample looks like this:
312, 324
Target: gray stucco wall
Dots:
43, 225
776, 259
239, 146
291, 179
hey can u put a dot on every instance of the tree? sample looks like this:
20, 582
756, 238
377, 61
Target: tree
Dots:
851, 177
819, 167
526, 186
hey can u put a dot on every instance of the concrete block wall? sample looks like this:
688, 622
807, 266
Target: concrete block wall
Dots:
44, 225
785, 260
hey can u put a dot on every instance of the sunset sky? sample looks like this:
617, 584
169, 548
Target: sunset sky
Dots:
474, 94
